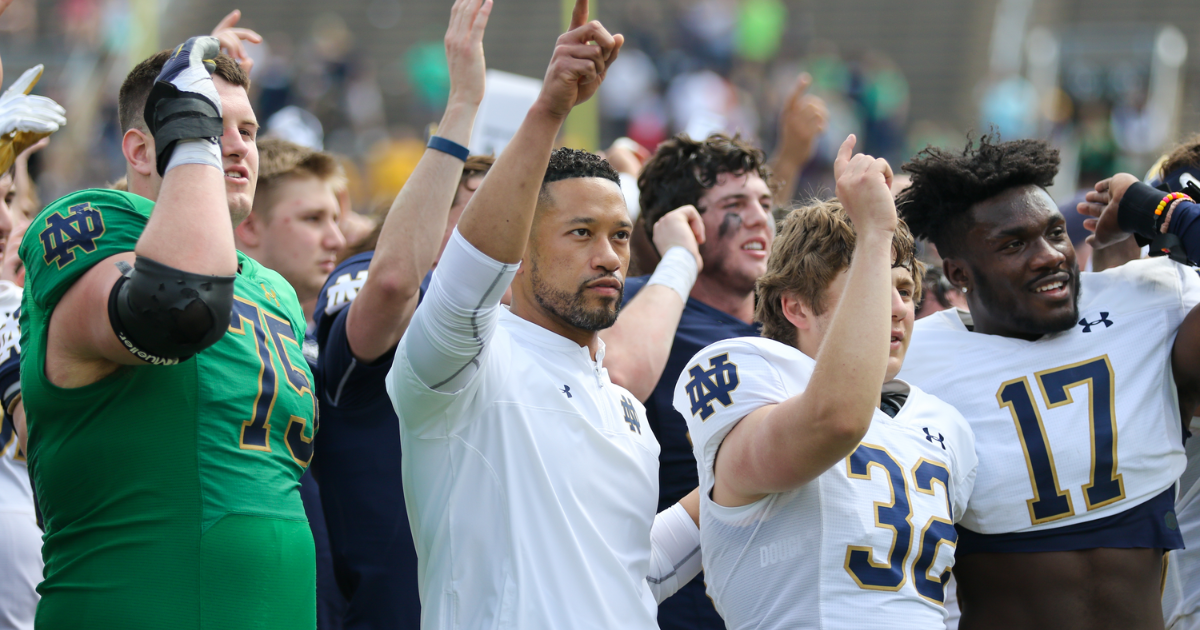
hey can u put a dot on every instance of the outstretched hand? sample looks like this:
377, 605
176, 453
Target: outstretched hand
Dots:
1101, 204
804, 117
581, 59
231, 39
864, 186
464, 50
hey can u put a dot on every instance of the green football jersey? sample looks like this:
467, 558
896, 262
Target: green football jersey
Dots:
170, 493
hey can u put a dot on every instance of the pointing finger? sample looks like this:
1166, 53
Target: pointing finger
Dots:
579, 16
228, 20
843, 156
801, 87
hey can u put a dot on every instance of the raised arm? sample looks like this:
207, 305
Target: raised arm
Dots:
1122, 207
638, 345
780, 447
187, 244
451, 329
497, 220
413, 228
801, 123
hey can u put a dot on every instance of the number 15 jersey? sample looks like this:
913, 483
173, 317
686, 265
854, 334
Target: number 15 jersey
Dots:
867, 544
1074, 427
170, 493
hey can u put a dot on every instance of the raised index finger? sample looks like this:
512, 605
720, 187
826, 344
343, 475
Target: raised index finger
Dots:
843, 156
579, 16
228, 20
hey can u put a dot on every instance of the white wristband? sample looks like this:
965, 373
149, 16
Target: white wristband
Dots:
198, 151
677, 270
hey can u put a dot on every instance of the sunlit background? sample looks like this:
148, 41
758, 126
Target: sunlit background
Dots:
1110, 82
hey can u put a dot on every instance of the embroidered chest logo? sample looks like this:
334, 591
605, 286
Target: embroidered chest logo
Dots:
1087, 326
566, 390
715, 383
631, 415
81, 227
343, 291
941, 441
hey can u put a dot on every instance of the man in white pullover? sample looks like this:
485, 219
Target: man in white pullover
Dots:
531, 480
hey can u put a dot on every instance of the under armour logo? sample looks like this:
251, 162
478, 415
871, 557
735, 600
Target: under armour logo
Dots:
631, 416
567, 390
716, 384
939, 439
1087, 326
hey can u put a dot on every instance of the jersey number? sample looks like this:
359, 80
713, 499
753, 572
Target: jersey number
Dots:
268, 330
1050, 502
896, 515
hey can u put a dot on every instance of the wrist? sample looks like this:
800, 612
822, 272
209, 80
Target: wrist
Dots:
677, 270
545, 111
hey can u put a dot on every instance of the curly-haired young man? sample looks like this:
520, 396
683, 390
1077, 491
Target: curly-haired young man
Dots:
1074, 385
719, 192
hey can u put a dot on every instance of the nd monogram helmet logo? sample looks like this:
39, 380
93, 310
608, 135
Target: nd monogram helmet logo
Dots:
81, 228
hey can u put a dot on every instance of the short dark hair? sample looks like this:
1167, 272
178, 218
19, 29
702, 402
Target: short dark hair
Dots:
566, 163
1186, 154
279, 160
682, 169
946, 184
131, 100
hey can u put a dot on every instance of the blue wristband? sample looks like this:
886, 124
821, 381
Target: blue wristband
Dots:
448, 147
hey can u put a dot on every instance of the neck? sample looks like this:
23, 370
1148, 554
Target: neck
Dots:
309, 306
534, 314
721, 296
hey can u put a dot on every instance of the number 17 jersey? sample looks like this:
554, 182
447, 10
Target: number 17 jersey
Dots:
171, 492
1075, 427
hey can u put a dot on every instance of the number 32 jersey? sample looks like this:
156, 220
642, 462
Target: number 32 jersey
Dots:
1076, 426
867, 544
170, 493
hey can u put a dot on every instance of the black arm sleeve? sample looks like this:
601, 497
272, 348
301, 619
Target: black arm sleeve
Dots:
164, 315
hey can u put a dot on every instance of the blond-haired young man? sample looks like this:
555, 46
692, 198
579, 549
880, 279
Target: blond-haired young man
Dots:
827, 486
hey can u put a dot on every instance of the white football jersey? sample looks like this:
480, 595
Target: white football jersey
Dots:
16, 494
1077, 425
873, 533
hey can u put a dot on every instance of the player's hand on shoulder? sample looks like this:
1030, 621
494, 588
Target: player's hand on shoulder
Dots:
464, 50
581, 58
231, 39
681, 227
1101, 204
864, 186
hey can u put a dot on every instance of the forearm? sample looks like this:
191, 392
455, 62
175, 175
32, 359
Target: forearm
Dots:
498, 218
1136, 215
786, 164
1185, 223
638, 346
674, 549
409, 242
802, 437
190, 228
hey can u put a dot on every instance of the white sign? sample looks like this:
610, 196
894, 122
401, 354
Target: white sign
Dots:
505, 102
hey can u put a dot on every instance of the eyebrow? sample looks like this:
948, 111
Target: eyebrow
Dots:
592, 220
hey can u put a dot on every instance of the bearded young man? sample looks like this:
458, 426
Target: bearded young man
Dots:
530, 478
1076, 385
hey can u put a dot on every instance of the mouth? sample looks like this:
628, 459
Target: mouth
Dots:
239, 174
756, 246
897, 340
327, 265
1054, 287
609, 287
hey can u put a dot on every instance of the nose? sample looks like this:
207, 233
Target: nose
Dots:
606, 257
6, 221
334, 239
757, 214
900, 308
1047, 255
233, 145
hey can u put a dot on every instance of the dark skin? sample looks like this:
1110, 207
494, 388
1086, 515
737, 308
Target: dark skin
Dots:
1016, 244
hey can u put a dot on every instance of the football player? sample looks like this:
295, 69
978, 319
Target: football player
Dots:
1077, 386
827, 486
168, 366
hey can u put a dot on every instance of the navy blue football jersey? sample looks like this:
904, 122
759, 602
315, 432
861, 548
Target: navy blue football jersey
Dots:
357, 462
700, 326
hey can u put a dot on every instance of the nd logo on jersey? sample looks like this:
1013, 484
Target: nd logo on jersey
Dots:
81, 227
715, 383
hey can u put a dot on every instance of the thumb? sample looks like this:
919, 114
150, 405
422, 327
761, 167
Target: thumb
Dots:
24, 84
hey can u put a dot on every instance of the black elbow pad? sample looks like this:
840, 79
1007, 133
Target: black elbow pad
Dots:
164, 315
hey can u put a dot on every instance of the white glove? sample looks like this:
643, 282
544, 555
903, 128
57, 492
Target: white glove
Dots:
25, 119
